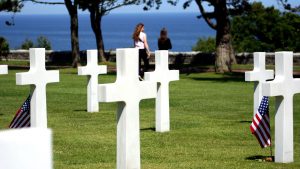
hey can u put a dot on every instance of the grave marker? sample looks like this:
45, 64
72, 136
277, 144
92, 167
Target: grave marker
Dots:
92, 70
259, 75
127, 91
29, 148
162, 76
37, 78
283, 87
3, 69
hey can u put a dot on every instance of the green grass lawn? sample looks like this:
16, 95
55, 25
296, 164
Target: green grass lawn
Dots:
210, 119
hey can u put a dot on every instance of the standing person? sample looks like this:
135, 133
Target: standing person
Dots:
164, 43
140, 41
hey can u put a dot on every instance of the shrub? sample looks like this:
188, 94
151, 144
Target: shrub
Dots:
43, 42
4, 47
207, 45
27, 44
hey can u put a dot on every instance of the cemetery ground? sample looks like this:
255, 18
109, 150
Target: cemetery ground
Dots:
210, 115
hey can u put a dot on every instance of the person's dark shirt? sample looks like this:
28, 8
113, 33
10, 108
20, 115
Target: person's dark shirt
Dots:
164, 45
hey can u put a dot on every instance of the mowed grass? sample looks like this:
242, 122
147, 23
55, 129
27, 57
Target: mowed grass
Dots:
210, 118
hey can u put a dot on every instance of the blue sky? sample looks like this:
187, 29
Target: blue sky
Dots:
30, 8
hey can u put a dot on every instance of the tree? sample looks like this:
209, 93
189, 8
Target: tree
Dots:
4, 47
10, 5
289, 7
219, 19
98, 9
72, 6
266, 29
72, 9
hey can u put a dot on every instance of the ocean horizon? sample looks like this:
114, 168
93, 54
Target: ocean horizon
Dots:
184, 29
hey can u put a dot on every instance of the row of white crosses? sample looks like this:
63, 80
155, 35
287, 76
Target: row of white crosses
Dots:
31, 148
128, 91
162, 75
283, 87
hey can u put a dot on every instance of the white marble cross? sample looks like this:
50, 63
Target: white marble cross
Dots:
258, 75
37, 78
92, 70
284, 86
128, 91
3, 69
162, 76
29, 148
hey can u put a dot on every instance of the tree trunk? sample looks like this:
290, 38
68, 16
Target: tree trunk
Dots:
72, 9
224, 54
96, 19
100, 43
74, 41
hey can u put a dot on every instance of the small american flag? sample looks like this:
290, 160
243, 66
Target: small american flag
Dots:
260, 125
22, 117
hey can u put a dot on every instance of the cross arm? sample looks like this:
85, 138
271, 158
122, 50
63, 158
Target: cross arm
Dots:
102, 69
83, 71
273, 88
155, 76
296, 86
86, 70
110, 92
52, 76
3, 69
147, 90
25, 78
174, 75
256, 75
43, 77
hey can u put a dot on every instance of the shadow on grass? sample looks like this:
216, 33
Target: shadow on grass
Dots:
245, 121
84, 110
296, 76
261, 158
227, 77
148, 129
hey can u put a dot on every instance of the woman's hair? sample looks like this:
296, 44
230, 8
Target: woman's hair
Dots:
137, 31
163, 34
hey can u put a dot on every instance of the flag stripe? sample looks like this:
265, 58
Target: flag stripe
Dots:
260, 126
257, 137
16, 117
22, 117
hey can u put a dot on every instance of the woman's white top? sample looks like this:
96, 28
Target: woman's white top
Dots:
140, 44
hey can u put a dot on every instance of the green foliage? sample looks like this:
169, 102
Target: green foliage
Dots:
10, 5
205, 45
42, 42
4, 47
266, 29
27, 44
